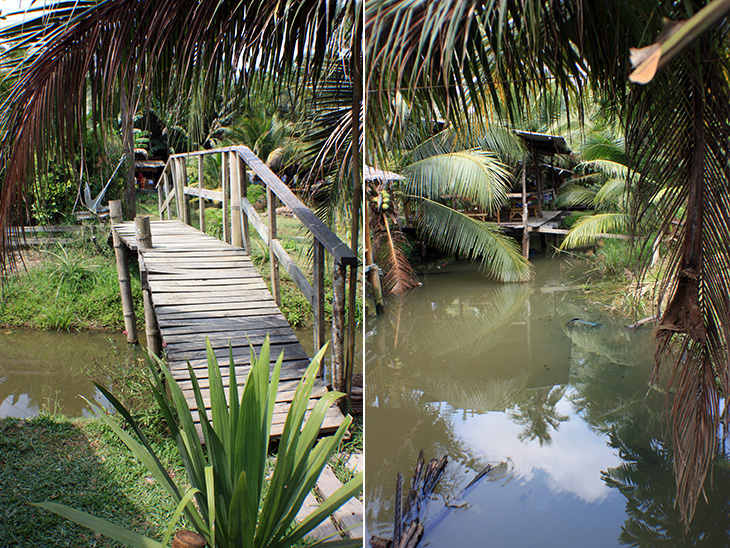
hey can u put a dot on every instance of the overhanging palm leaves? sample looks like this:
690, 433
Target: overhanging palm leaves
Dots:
177, 50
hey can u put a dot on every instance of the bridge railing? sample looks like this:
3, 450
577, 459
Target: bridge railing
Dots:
239, 214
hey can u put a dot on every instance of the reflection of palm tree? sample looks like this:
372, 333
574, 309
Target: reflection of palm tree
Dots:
645, 478
537, 413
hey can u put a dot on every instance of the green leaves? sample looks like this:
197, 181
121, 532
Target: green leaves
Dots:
499, 255
227, 477
474, 175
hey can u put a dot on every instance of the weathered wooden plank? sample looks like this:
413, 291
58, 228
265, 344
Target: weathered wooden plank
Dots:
225, 310
195, 343
243, 323
350, 515
292, 351
196, 297
199, 335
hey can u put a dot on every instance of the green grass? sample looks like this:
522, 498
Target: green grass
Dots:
74, 287
81, 463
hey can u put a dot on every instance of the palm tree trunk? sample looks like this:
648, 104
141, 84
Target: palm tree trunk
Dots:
127, 127
356, 67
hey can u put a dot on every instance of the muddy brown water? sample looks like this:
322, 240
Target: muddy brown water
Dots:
492, 374
48, 371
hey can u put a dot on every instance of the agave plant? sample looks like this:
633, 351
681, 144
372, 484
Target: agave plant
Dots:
234, 507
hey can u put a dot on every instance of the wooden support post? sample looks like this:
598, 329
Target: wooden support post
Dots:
338, 326
160, 199
525, 227
271, 199
177, 186
201, 186
225, 184
125, 286
185, 217
144, 243
244, 215
168, 188
318, 286
235, 175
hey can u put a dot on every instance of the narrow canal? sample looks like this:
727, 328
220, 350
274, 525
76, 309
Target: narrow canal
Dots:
552, 393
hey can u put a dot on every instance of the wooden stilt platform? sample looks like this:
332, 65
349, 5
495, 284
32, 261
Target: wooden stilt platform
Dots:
201, 287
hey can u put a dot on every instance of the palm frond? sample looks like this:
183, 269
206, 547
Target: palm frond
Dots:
609, 167
472, 175
498, 255
575, 195
590, 229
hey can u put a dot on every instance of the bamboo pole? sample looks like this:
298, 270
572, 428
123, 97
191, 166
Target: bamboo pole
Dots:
201, 185
525, 228
318, 286
160, 199
338, 326
244, 215
125, 286
144, 243
225, 184
185, 217
273, 260
235, 175
168, 189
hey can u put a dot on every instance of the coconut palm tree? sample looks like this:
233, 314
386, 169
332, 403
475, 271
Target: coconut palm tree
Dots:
484, 56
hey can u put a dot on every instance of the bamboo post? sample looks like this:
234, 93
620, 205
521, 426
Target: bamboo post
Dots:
177, 187
318, 286
168, 189
188, 539
338, 325
125, 286
225, 184
235, 176
271, 199
525, 228
144, 243
244, 193
160, 199
185, 217
201, 186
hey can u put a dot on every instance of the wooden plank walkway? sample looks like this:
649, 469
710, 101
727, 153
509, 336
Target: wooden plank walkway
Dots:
202, 287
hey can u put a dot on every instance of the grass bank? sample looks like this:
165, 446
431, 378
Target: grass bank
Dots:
80, 463
613, 282
69, 286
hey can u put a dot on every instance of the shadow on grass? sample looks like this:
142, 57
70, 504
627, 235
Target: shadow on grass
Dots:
80, 463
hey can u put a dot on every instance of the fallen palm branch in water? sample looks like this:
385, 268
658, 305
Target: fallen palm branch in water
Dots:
407, 527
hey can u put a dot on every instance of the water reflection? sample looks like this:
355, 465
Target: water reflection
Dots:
43, 371
530, 378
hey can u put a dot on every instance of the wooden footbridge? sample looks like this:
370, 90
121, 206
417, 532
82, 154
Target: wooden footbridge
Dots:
195, 286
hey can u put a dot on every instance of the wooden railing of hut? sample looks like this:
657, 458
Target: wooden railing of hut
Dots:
238, 213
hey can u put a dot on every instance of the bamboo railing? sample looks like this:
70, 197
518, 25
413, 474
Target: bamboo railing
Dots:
238, 214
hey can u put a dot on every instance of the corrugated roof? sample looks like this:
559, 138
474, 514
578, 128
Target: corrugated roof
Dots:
544, 143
